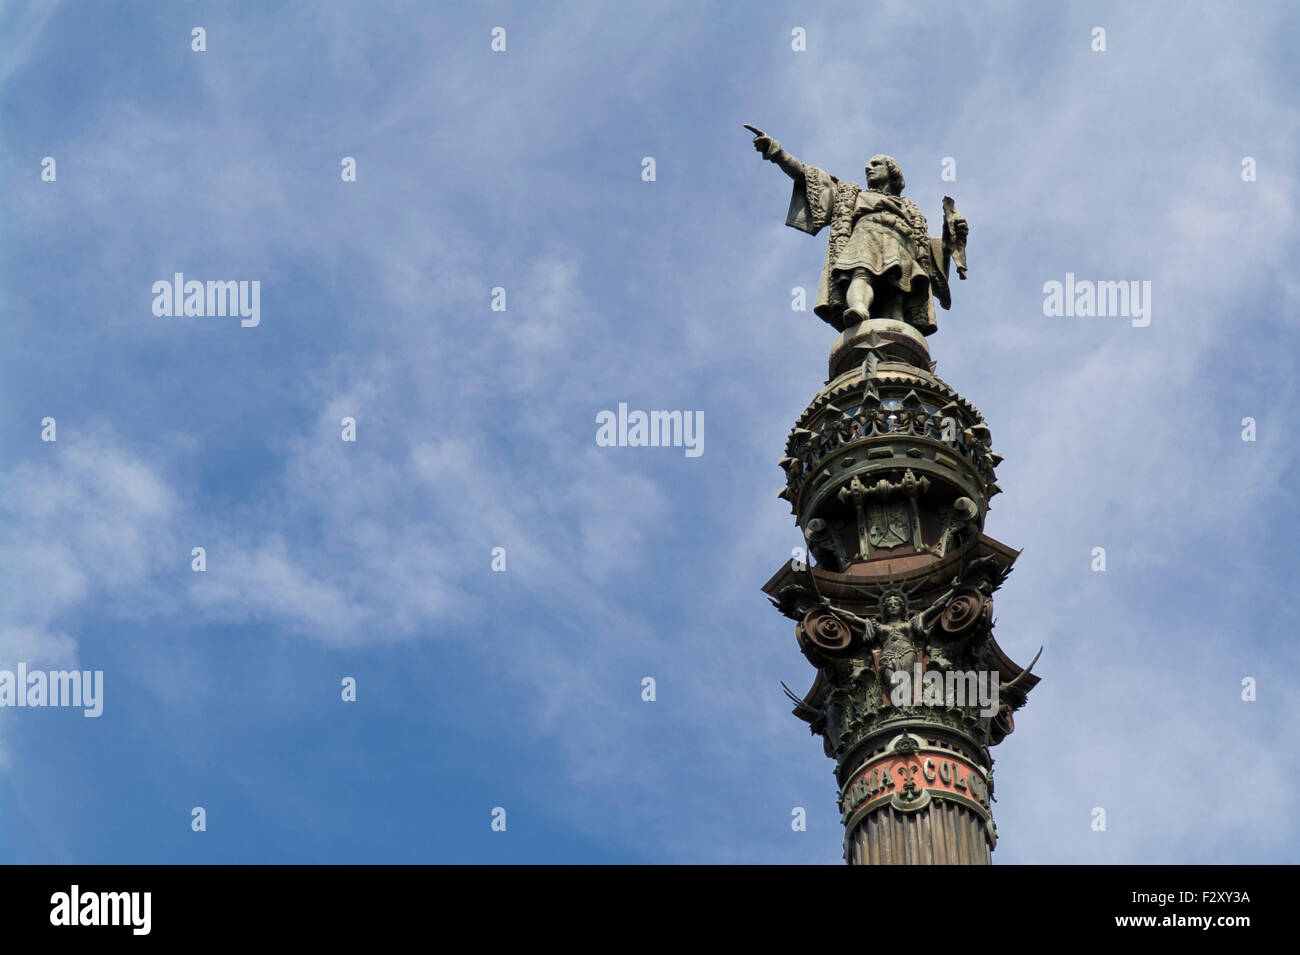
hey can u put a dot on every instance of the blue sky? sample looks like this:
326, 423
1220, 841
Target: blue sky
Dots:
476, 428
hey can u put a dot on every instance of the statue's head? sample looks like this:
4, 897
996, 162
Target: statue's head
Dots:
893, 606
884, 175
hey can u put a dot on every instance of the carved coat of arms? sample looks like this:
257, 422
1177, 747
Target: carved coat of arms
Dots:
889, 523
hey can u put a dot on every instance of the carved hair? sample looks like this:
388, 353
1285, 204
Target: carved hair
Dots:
896, 181
890, 594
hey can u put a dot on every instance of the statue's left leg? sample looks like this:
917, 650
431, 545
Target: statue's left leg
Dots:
893, 305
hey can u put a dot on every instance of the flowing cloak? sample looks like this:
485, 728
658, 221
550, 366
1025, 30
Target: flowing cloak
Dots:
876, 231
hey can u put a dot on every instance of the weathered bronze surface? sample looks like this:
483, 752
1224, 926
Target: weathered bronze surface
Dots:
889, 473
881, 261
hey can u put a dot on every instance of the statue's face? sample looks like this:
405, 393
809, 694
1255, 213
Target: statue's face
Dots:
878, 173
893, 607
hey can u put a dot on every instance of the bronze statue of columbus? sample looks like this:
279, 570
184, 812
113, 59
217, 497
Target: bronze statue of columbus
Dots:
881, 261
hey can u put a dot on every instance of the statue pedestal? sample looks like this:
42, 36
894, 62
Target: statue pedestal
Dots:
893, 341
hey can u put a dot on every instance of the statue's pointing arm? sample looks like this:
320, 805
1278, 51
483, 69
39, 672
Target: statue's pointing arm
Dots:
812, 199
771, 151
